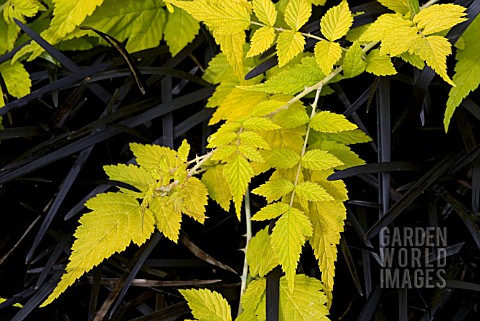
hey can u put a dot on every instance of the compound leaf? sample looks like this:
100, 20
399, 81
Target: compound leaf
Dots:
253, 139
336, 22
259, 124
378, 64
116, 220
287, 239
207, 305
399, 6
232, 46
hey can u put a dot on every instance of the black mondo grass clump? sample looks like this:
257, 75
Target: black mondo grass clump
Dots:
409, 249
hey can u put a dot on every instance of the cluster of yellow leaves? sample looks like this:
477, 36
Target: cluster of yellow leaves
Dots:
417, 36
162, 190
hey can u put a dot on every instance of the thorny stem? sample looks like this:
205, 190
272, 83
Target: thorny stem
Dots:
248, 236
199, 161
304, 149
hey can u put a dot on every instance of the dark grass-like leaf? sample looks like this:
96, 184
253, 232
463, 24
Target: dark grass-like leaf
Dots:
125, 55
351, 265
384, 134
471, 221
198, 252
59, 198
37, 298
370, 307
402, 304
167, 120
395, 166
62, 246
171, 312
423, 183
103, 134
146, 250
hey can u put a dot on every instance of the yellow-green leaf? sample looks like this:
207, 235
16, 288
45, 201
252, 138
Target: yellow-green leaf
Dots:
287, 239
251, 153
291, 80
378, 64
180, 29
224, 152
346, 137
194, 199
319, 160
136, 176
273, 190
434, 51
305, 302
167, 218
265, 11
262, 39
289, 44
353, 63
16, 79
238, 173
259, 124
297, 13
254, 301
282, 158
183, 151
232, 46
328, 122
291, 118
340, 151
260, 256
312, 192
327, 55
439, 17
221, 139
224, 17
396, 33
399, 6
155, 158
327, 219
116, 220
207, 305
217, 185
336, 22
467, 70
253, 139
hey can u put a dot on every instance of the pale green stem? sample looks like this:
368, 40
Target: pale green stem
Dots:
428, 4
199, 161
283, 29
305, 142
248, 236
